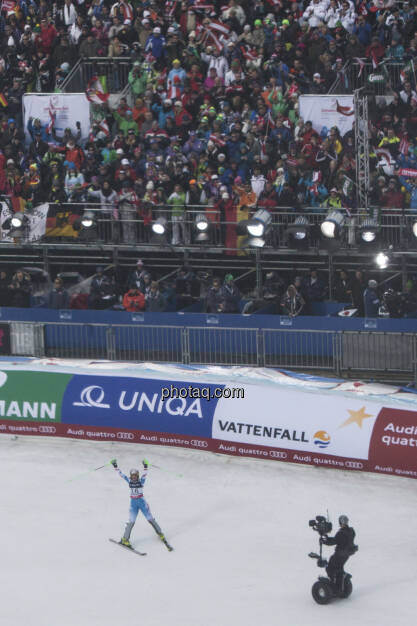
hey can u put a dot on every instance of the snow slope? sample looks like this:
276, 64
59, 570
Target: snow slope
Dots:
239, 528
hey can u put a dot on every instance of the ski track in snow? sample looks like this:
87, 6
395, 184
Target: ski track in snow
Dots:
239, 528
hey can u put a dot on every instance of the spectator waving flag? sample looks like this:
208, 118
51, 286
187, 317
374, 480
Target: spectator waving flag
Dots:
104, 127
3, 100
404, 144
8, 5
210, 33
52, 118
250, 54
95, 91
217, 25
347, 187
126, 10
361, 63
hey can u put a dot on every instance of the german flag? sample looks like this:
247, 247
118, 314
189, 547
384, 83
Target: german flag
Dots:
3, 100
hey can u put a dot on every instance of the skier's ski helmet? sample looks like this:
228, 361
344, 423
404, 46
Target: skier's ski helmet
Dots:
343, 520
134, 471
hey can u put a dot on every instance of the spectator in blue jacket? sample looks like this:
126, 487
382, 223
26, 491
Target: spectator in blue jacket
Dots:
410, 185
363, 31
163, 111
155, 45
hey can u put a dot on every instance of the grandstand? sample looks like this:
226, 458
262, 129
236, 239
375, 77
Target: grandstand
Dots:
273, 141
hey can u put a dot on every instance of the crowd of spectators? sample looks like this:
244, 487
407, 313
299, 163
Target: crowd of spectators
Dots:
214, 122
142, 290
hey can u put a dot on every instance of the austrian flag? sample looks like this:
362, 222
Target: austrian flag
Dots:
95, 91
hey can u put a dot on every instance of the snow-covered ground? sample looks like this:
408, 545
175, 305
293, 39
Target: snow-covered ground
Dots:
239, 528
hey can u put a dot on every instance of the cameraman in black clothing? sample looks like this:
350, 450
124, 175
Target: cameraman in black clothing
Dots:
345, 547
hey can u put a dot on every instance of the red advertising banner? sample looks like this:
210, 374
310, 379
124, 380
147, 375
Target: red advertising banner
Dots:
392, 449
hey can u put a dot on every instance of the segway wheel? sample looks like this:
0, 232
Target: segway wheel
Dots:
347, 588
322, 592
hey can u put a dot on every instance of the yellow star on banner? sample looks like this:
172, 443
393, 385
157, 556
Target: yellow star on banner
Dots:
356, 417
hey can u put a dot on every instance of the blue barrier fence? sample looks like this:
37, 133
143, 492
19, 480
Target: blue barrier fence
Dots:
118, 318
381, 346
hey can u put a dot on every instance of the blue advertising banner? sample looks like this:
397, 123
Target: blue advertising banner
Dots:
140, 404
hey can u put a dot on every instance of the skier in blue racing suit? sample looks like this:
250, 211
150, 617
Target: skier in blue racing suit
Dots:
137, 502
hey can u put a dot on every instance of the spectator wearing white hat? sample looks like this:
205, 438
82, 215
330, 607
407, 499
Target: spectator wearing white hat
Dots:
155, 46
136, 277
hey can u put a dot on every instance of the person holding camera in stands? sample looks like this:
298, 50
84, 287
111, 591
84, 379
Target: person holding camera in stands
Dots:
58, 297
214, 299
154, 300
292, 302
20, 290
345, 547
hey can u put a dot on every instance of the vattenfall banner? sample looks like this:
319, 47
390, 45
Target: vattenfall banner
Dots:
269, 421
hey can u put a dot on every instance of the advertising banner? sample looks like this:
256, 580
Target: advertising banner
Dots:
327, 111
36, 222
267, 421
60, 110
5, 339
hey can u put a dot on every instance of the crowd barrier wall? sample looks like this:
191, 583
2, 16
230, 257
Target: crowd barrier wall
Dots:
207, 319
274, 421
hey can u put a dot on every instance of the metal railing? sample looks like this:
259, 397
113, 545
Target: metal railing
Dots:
132, 226
114, 70
381, 81
385, 354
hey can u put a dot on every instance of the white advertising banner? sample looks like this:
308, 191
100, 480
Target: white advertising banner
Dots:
5, 215
297, 421
36, 224
65, 109
338, 424
327, 111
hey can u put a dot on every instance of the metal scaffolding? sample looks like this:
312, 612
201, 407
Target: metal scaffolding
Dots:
362, 147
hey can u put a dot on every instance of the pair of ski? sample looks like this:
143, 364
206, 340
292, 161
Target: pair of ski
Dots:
119, 543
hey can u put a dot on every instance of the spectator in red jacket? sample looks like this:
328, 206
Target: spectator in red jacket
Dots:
393, 198
134, 300
47, 35
375, 51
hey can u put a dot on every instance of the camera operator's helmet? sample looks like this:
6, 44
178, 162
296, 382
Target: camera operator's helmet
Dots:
343, 520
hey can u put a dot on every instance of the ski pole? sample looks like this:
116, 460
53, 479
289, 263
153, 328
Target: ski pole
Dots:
88, 472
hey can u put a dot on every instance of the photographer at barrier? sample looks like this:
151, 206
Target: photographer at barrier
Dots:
345, 547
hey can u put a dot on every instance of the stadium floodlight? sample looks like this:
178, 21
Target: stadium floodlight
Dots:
368, 231
255, 242
414, 229
18, 220
202, 228
331, 226
298, 232
159, 226
259, 223
201, 222
88, 219
382, 260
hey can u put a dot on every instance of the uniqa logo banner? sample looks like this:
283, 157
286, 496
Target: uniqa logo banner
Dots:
140, 404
